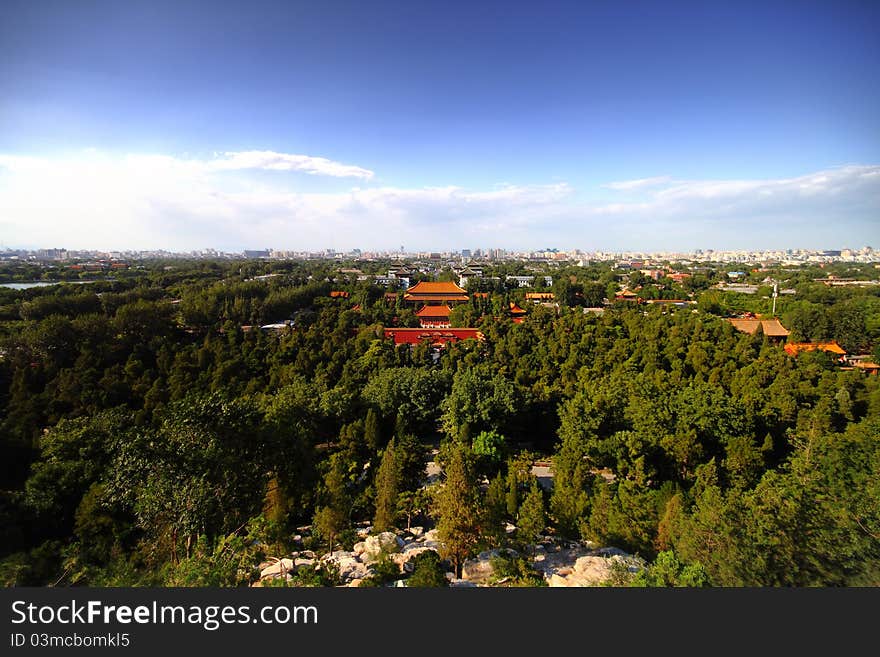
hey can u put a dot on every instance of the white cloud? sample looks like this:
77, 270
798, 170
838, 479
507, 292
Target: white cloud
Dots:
639, 183
95, 200
270, 160
152, 201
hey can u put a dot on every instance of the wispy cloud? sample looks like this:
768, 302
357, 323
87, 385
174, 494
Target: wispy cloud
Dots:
639, 183
150, 201
270, 160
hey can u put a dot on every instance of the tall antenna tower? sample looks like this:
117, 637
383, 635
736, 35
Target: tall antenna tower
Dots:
775, 294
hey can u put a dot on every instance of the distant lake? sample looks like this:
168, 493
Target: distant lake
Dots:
26, 286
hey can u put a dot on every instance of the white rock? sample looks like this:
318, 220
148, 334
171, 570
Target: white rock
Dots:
405, 559
416, 531
384, 543
557, 581
359, 548
611, 552
424, 545
278, 568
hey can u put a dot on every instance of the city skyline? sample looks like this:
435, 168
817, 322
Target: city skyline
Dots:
270, 125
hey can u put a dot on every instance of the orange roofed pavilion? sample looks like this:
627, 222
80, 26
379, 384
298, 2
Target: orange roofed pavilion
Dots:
794, 348
516, 313
434, 316
772, 328
436, 292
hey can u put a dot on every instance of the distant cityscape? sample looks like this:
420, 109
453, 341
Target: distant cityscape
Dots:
865, 254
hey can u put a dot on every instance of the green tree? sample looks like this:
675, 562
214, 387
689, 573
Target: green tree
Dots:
386, 491
373, 431
458, 525
427, 571
531, 520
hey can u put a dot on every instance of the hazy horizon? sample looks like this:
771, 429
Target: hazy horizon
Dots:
437, 126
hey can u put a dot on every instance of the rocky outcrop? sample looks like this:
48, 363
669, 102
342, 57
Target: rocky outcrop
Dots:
562, 564
277, 568
592, 569
480, 569
380, 544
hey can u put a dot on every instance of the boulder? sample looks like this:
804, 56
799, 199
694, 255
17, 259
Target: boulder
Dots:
278, 568
421, 545
359, 548
481, 569
384, 543
416, 531
404, 559
557, 581
587, 570
611, 552
431, 535
348, 565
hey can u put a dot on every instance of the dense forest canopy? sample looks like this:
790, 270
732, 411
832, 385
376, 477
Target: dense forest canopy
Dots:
154, 433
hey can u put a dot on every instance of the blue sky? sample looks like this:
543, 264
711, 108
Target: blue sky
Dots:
310, 125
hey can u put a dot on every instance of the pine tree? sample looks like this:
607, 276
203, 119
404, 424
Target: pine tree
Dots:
494, 511
372, 431
386, 490
458, 526
512, 496
531, 519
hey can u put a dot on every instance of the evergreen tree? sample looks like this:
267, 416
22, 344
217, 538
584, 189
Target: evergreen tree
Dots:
458, 526
427, 571
495, 511
387, 489
373, 431
531, 519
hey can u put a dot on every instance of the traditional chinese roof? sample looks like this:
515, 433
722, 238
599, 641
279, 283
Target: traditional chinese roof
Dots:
770, 327
436, 287
434, 311
428, 298
794, 348
434, 336
339, 294
539, 296
516, 310
434, 291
